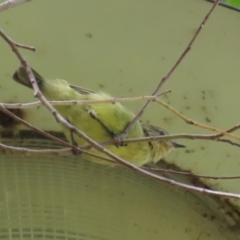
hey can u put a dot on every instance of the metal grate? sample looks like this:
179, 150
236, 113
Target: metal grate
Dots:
73, 199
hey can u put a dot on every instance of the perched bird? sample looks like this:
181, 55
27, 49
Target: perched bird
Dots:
101, 121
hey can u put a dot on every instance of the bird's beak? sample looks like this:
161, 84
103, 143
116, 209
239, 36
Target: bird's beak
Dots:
177, 145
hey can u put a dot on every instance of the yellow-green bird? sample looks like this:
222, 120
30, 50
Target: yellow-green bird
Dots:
101, 121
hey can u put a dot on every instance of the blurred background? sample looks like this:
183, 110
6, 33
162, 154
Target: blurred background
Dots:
123, 48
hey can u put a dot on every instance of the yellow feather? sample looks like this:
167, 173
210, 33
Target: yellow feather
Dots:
100, 121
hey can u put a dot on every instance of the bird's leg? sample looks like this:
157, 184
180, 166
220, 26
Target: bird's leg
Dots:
73, 142
115, 136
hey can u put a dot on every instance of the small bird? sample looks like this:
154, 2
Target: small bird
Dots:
101, 121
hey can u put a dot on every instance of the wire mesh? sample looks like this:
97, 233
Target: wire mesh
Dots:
70, 198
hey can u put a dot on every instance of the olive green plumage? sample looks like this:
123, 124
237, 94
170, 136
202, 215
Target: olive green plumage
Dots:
100, 121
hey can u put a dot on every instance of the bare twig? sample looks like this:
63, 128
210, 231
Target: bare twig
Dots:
77, 102
31, 48
209, 137
14, 47
191, 122
33, 152
228, 141
41, 153
11, 3
186, 173
164, 79
232, 129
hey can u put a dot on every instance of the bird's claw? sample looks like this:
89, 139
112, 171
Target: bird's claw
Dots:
74, 150
74, 143
119, 140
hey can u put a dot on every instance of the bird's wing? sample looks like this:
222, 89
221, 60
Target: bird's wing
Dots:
81, 90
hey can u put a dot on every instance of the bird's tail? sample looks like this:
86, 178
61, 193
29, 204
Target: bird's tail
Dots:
21, 76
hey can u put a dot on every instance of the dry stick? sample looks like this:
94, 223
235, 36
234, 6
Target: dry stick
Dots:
7, 39
11, 3
186, 173
30, 152
77, 102
31, 48
164, 79
228, 141
14, 47
40, 152
232, 129
191, 122
209, 137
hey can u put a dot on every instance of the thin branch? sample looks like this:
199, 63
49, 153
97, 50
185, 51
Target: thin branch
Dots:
44, 153
33, 152
31, 48
228, 141
232, 129
186, 173
11, 3
191, 122
77, 102
164, 79
210, 137
14, 47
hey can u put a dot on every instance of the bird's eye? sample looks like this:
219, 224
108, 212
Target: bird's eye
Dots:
161, 132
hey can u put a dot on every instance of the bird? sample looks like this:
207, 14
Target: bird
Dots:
101, 121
